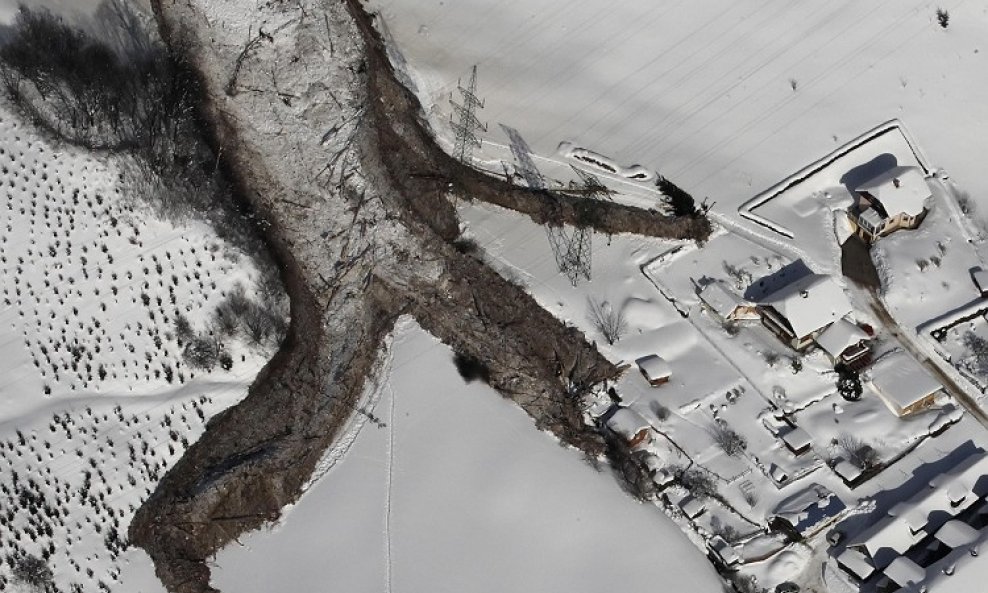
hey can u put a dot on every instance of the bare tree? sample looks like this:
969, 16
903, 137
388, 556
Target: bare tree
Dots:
609, 322
858, 452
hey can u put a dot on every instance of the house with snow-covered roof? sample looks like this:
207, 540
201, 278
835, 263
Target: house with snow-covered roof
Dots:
927, 513
895, 199
629, 425
800, 311
903, 384
846, 344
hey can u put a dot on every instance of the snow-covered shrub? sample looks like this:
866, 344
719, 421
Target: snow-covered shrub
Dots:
700, 484
943, 17
202, 352
32, 571
607, 320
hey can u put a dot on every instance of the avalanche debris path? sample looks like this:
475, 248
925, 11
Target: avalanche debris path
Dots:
375, 197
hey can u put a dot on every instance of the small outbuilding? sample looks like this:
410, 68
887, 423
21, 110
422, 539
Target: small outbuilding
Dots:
655, 369
725, 304
980, 278
904, 572
796, 440
856, 564
723, 552
692, 507
903, 384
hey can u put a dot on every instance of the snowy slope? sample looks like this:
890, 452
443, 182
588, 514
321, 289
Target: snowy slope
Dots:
459, 493
96, 401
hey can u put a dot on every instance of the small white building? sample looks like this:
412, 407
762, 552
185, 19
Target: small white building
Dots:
655, 369
903, 384
896, 199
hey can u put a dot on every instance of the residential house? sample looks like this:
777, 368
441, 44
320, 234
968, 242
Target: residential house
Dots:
846, 344
629, 425
895, 199
914, 520
800, 311
810, 510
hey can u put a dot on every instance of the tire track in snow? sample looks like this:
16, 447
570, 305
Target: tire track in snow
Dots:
387, 512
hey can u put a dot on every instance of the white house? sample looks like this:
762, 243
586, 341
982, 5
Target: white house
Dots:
800, 311
896, 199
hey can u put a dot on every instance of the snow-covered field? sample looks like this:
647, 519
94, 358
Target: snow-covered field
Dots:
725, 98
97, 400
457, 492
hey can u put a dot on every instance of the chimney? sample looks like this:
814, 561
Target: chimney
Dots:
896, 182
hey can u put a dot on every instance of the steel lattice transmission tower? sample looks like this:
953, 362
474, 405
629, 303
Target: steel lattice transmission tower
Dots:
464, 120
573, 251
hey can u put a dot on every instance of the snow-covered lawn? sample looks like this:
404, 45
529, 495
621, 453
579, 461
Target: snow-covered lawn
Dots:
458, 492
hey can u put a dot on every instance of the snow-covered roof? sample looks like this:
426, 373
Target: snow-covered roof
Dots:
719, 297
847, 470
911, 520
692, 507
627, 423
901, 381
900, 189
956, 533
980, 278
840, 336
904, 571
810, 303
797, 439
725, 550
654, 366
857, 563
809, 508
